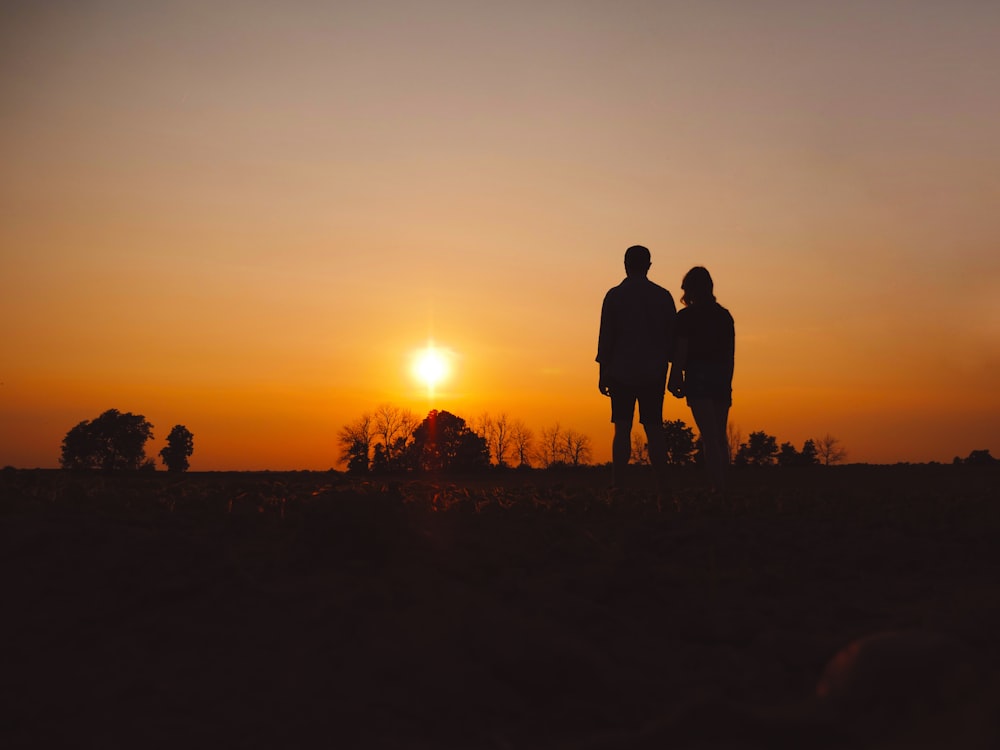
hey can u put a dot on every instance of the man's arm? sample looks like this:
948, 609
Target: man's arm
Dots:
732, 347
604, 347
671, 327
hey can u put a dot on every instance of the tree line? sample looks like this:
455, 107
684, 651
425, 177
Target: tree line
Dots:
761, 449
977, 458
391, 439
116, 441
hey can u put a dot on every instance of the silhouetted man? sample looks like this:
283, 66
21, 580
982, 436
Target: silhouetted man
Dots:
633, 350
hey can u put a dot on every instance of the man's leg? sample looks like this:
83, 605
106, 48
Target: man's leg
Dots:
621, 451
657, 441
658, 454
651, 416
622, 411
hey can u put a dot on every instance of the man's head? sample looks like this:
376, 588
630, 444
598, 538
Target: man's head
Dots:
637, 261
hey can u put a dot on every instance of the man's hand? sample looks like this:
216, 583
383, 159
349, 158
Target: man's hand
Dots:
602, 382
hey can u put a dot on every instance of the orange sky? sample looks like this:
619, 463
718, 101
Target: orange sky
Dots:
245, 217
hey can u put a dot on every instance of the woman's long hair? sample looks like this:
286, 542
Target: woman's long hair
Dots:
698, 287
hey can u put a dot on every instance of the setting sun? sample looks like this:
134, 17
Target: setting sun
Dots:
430, 366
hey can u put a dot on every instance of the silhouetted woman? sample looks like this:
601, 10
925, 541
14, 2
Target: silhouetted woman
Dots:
704, 352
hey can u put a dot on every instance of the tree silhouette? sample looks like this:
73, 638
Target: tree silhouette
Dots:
384, 441
759, 450
356, 457
112, 441
978, 458
680, 441
829, 450
394, 425
355, 442
380, 462
443, 442
808, 456
497, 431
640, 449
576, 448
788, 456
180, 445
522, 442
734, 436
681, 445
550, 447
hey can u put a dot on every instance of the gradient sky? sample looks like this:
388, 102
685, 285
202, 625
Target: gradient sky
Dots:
245, 217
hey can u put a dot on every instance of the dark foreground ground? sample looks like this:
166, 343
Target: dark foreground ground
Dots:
517, 611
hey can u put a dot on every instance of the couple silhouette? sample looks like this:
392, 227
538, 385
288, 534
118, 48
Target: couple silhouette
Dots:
642, 338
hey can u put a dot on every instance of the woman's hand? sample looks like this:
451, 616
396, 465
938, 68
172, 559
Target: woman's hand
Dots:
676, 385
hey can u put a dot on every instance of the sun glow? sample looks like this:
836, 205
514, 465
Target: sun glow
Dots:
431, 366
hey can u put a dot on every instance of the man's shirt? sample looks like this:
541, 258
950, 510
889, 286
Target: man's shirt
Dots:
636, 337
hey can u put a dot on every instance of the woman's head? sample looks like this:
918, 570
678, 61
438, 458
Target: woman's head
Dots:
697, 286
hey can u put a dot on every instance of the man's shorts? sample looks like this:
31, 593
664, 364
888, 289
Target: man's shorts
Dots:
650, 398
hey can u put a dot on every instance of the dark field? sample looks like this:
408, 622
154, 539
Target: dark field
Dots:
520, 610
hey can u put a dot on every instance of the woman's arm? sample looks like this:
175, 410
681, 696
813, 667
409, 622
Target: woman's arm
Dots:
676, 382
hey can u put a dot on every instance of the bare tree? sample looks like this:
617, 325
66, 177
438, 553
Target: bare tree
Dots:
497, 433
550, 448
391, 423
640, 449
734, 436
502, 440
522, 442
355, 440
576, 448
483, 426
829, 450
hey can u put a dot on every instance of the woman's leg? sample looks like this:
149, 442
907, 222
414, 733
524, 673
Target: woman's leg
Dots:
711, 416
